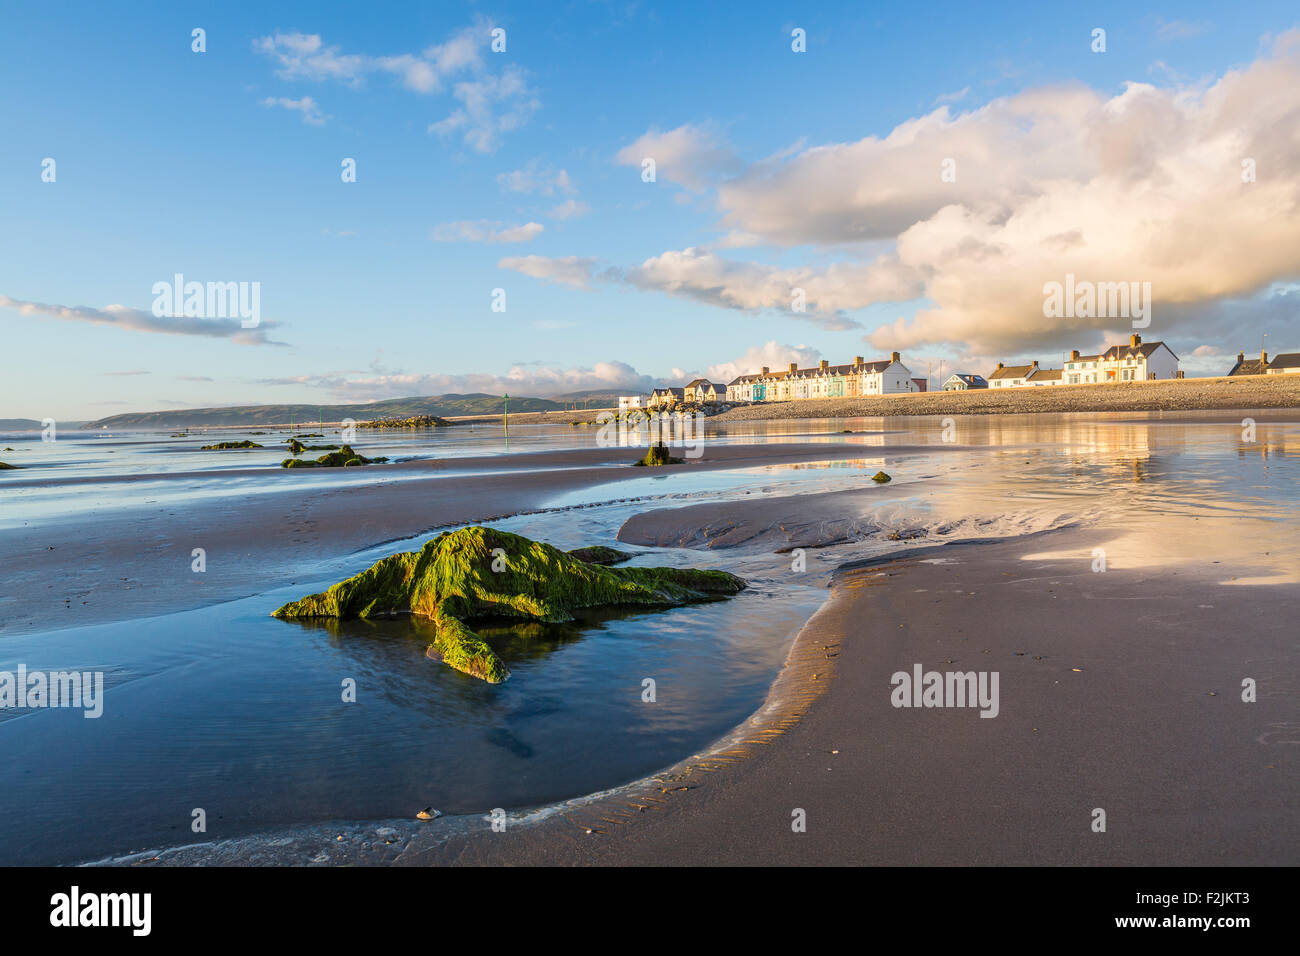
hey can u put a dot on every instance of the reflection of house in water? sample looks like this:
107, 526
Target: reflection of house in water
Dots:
1284, 446
1117, 449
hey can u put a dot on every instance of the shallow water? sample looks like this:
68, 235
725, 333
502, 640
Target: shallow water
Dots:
226, 709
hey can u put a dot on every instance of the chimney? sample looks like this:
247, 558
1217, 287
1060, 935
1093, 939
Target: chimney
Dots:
1134, 340
999, 365
766, 370
1034, 364
1263, 359
857, 360
895, 357
794, 367
1074, 355
824, 364
1241, 357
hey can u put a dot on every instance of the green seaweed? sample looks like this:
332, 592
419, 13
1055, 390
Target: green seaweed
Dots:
658, 455
479, 573
415, 421
335, 459
297, 448
224, 445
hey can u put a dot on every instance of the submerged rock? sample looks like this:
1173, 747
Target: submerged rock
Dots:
599, 554
4, 466
481, 573
223, 445
335, 459
881, 477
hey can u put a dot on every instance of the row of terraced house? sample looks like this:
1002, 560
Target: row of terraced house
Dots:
883, 377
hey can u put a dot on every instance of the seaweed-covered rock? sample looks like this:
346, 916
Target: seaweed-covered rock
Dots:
658, 455
481, 573
4, 466
335, 459
415, 421
599, 554
297, 448
224, 445
880, 477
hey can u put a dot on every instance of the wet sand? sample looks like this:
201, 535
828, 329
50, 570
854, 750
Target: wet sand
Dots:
69, 572
1118, 690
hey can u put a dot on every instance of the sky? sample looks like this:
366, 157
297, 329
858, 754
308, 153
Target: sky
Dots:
914, 175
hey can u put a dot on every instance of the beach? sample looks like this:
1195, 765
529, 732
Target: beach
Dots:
1130, 582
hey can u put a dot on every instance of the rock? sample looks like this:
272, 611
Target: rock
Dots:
335, 459
880, 477
658, 455
225, 445
480, 573
415, 421
599, 554
6, 467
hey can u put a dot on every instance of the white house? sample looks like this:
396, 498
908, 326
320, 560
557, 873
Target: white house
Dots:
1011, 376
1136, 362
962, 381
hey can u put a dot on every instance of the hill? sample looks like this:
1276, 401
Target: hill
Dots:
443, 406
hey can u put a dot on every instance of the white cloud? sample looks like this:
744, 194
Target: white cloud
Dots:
491, 103
827, 292
137, 320
310, 110
569, 209
1142, 186
535, 178
691, 155
485, 230
772, 354
534, 379
572, 271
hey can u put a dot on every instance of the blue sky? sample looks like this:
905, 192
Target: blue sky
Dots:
213, 165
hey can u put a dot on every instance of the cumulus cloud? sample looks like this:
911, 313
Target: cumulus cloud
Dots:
691, 155
1144, 186
826, 292
137, 320
310, 110
485, 230
572, 271
771, 354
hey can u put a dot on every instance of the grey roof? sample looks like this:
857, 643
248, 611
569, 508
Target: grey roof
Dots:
1285, 360
1248, 367
1123, 351
971, 379
1045, 374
